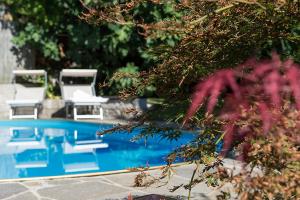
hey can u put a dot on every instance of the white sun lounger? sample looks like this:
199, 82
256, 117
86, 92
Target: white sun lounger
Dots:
76, 95
27, 97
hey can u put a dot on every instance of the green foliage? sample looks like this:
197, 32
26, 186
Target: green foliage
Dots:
226, 37
62, 40
288, 47
214, 35
125, 81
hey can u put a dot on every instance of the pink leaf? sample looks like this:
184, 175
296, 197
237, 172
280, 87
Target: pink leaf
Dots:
287, 64
198, 98
215, 92
262, 68
228, 139
233, 85
272, 83
276, 62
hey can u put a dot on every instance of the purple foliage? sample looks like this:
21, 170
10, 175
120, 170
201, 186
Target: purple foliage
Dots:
262, 83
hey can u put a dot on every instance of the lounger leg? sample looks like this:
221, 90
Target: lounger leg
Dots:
75, 112
67, 114
67, 106
11, 113
101, 113
35, 112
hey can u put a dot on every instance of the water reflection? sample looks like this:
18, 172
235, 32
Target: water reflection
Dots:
70, 148
52, 150
80, 152
30, 148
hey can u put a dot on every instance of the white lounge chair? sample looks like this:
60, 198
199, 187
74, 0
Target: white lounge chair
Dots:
27, 97
81, 95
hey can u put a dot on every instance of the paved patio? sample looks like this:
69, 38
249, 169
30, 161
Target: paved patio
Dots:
108, 187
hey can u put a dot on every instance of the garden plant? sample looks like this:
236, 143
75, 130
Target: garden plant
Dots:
238, 58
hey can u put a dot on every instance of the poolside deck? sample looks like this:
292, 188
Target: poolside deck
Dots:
108, 187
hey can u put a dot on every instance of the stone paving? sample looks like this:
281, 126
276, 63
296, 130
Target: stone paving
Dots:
105, 187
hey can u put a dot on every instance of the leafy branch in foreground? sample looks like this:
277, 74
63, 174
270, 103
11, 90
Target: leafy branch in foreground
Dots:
264, 84
256, 101
214, 35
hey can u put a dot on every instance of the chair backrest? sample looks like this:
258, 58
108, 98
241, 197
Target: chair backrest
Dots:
22, 92
68, 90
25, 93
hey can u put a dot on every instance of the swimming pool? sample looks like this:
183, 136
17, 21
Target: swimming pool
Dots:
38, 148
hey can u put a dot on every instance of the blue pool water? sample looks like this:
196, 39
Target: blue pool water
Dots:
38, 148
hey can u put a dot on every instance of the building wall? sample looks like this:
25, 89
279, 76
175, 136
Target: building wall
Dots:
11, 57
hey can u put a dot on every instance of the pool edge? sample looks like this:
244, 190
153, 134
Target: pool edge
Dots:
85, 174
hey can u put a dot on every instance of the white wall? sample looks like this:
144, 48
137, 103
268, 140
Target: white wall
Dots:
10, 58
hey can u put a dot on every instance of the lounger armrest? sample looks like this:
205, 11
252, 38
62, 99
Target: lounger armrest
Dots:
29, 102
91, 100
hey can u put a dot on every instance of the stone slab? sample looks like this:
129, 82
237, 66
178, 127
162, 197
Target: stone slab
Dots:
25, 196
80, 191
11, 189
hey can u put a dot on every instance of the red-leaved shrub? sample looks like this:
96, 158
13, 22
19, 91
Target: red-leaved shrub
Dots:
264, 84
261, 121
